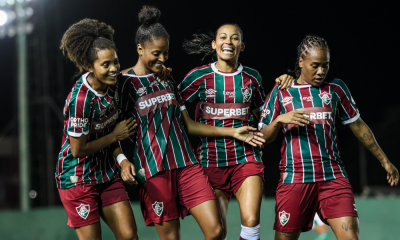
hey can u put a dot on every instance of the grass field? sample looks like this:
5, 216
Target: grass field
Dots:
379, 220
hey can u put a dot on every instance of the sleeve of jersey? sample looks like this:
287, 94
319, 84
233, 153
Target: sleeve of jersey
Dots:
259, 95
347, 109
179, 100
271, 110
127, 102
190, 86
79, 115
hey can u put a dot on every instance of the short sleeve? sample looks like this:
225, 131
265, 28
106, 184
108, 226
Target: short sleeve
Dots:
189, 87
271, 110
259, 95
347, 109
79, 115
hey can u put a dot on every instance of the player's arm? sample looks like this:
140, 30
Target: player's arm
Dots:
294, 117
366, 137
285, 81
127, 168
80, 147
246, 134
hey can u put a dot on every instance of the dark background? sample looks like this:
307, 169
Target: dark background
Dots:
363, 40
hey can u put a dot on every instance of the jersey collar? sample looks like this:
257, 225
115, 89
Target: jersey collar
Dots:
84, 77
240, 68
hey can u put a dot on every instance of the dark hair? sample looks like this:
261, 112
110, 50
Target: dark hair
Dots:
84, 39
150, 28
201, 43
304, 49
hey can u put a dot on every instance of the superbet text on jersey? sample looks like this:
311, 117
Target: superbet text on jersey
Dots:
161, 142
91, 113
311, 153
225, 100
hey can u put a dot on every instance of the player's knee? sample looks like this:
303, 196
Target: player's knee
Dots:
129, 235
250, 221
216, 232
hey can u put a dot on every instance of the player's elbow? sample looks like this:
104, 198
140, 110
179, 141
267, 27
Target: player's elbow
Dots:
76, 153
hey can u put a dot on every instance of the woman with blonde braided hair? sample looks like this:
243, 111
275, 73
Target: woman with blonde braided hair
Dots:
313, 178
88, 163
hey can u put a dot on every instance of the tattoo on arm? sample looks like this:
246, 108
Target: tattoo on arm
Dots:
276, 125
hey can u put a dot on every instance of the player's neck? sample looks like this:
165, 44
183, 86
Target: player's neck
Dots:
301, 80
140, 69
225, 66
98, 86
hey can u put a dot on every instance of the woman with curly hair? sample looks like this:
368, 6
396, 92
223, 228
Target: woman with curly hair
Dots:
88, 162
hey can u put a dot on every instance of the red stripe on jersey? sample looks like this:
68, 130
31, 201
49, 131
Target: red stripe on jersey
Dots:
153, 141
350, 110
248, 149
181, 143
211, 144
258, 98
229, 143
194, 86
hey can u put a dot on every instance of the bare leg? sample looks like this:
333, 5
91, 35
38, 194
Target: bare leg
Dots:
345, 228
249, 197
89, 232
223, 204
207, 216
119, 217
169, 230
286, 236
321, 229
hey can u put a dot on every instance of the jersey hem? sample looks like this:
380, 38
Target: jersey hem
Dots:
351, 120
74, 134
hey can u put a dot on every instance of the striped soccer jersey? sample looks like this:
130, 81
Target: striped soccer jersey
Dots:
161, 141
224, 100
311, 153
94, 114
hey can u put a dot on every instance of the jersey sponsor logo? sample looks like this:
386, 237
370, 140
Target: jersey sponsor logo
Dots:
98, 126
284, 176
102, 112
325, 97
286, 100
229, 93
74, 179
158, 207
247, 93
318, 115
142, 172
79, 122
210, 92
83, 210
222, 111
284, 217
155, 100
265, 113
308, 99
141, 91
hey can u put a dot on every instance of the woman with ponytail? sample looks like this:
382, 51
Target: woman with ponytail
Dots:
171, 182
88, 163
227, 94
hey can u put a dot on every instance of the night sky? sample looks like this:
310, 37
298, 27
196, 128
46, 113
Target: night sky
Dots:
363, 40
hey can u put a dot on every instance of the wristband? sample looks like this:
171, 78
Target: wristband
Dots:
120, 158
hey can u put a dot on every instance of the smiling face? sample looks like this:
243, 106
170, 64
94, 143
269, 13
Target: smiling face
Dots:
228, 43
154, 54
104, 69
314, 67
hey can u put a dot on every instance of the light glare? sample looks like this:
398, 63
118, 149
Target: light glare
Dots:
3, 18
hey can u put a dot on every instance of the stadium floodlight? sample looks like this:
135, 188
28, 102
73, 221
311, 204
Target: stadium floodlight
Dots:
10, 2
3, 18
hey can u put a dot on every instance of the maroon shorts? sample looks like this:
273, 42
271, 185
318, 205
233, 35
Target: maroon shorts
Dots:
297, 203
229, 179
169, 195
82, 202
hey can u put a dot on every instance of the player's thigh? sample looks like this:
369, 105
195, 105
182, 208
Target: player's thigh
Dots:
169, 230
286, 236
249, 197
208, 217
345, 228
92, 232
223, 203
119, 217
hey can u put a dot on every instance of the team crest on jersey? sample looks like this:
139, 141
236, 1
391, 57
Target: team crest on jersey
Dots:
286, 100
153, 83
83, 210
284, 217
325, 97
247, 93
210, 92
141, 91
158, 207
265, 113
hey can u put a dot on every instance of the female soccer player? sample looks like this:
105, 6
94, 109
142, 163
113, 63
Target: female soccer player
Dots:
87, 171
172, 181
313, 178
227, 93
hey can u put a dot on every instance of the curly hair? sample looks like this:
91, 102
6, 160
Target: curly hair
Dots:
308, 43
201, 43
150, 28
84, 39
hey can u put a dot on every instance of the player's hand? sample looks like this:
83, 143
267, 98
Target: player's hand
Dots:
128, 172
249, 135
164, 74
295, 117
285, 81
392, 173
124, 129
